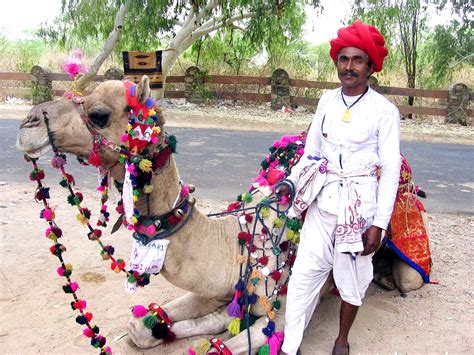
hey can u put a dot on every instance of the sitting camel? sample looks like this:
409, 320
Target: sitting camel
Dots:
209, 277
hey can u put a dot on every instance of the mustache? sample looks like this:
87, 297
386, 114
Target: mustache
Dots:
349, 72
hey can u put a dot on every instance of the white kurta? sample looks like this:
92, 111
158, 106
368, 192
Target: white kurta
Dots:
355, 151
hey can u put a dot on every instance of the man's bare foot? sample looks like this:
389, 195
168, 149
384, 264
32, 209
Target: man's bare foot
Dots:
340, 349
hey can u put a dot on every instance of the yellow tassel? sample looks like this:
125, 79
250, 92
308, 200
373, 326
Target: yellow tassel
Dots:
151, 112
135, 198
201, 346
255, 274
250, 287
148, 189
53, 236
290, 235
277, 223
241, 259
68, 267
262, 300
265, 212
157, 130
234, 326
271, 315
145, 165
82, 220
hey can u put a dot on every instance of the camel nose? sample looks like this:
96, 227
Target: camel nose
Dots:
34, 118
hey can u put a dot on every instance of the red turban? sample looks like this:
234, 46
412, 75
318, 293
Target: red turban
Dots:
364, 37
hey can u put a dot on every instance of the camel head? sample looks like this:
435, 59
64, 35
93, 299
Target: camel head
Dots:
105, 110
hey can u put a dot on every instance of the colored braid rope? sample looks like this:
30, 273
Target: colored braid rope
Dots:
54, 233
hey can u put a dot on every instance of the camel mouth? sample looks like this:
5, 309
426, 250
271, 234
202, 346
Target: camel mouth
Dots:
33, 151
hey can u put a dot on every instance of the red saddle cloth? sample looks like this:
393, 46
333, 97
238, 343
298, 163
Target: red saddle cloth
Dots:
409, 238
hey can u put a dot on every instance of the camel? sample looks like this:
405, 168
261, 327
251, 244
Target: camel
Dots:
209, 277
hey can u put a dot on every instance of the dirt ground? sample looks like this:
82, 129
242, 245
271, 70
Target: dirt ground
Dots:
36, 317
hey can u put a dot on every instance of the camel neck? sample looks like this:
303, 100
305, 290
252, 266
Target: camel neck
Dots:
166, 186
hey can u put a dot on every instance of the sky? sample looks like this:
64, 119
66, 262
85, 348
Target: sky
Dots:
19, 16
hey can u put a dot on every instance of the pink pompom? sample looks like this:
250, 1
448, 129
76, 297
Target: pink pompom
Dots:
275, 342
191, 351
151, 230
284, 200
139, 311
88, 332
47, 214
276, 144
124, 138
154, 139
300, 151
60, 271
74, 286
57, 162
80, 305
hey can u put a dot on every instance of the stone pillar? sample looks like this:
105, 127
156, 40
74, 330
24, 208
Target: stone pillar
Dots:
194, 85
41, 85
280, 89
114, 74
458, 104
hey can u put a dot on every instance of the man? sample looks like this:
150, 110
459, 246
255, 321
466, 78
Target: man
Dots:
348, 176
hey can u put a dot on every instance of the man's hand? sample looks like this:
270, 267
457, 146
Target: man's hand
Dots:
371, 238
282, 190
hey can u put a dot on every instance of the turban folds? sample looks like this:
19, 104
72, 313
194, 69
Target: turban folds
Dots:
364, 37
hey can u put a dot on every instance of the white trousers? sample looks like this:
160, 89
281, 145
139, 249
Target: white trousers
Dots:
316, 258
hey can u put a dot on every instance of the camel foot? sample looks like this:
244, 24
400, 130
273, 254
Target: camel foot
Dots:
387, 282
141, 336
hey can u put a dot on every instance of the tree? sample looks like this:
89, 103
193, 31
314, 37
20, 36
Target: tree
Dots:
174, 24
407, 18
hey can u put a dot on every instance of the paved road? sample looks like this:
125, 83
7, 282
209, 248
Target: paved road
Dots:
222, 164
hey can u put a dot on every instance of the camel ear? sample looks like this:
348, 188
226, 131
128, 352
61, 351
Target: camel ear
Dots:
143, 89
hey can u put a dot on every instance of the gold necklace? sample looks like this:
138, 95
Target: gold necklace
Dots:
347, 115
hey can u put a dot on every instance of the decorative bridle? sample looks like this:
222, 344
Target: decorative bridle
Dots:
164, 225
138, 156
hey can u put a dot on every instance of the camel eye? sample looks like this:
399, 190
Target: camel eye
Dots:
100, 116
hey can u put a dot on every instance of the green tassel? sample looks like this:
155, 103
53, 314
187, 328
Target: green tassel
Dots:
247, 197
276, 304
264, 350
149, 321
234, 326
172, 142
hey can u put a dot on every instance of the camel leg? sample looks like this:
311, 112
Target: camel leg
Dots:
240, 345
406, 277
182, 310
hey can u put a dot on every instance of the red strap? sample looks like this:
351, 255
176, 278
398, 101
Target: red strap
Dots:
220, 346
154, 307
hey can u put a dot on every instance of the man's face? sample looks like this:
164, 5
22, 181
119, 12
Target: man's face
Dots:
353, 68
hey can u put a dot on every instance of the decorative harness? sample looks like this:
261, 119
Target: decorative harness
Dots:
142, 131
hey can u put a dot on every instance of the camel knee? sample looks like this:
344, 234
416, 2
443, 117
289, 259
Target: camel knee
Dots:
406, 278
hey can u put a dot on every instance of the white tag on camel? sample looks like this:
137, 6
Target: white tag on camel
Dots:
127, 195
148, 258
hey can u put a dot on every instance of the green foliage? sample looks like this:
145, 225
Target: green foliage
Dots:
449, 49
432, 57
